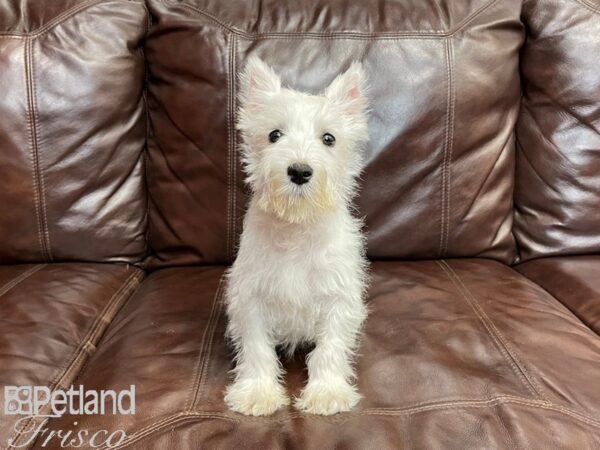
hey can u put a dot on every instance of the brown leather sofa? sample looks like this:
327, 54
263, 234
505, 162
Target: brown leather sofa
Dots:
122, 202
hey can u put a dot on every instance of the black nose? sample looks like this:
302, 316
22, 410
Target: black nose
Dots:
300, 173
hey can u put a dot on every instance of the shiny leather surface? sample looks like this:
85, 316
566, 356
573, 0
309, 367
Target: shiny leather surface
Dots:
557, 194
445, 94
573, 280
456, 354
462, 353
72, 131
52, 317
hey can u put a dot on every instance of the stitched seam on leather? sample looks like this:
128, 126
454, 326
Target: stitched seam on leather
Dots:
54, 22
38, 156
445, 148
57, 20
539, 404
415, 408
27, 49
106, 318
93, 334
592, 7
513, 354
208, 359
344, 36
205, 346
33, 151
230, 82
569, 412
500, 342
19, 278
448, 144
88, 344
233, 109
171, 421
450, 405
333, 34
442, 201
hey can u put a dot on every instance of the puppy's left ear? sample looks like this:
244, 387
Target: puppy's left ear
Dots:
348, 90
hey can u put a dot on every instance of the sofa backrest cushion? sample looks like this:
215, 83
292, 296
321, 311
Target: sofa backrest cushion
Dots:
444, 91
72, 130
557, 196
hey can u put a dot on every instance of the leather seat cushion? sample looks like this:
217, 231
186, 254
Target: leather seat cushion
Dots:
573, 280
455, 354
51, 319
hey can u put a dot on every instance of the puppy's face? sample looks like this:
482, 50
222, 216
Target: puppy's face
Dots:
301, 152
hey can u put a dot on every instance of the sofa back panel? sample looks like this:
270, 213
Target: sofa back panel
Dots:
325, 16
444, 92
15, 162
72, 132
29, 16
557, 196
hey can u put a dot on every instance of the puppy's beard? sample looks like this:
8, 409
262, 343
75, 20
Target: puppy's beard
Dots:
296, 204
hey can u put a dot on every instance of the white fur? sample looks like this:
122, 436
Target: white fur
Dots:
300, 273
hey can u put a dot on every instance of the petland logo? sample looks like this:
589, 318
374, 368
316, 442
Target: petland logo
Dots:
33, 401
37, 404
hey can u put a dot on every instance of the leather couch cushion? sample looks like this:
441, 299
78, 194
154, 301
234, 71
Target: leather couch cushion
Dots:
445, 94
558, 159
456, 354
573, 280
52, 317
72, 130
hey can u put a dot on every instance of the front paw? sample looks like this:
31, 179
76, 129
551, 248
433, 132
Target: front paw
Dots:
256, 397
327, 398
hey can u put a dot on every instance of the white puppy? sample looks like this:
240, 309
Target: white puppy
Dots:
300, 273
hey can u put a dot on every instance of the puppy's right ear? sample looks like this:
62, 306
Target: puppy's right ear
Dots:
348, 90
257, 82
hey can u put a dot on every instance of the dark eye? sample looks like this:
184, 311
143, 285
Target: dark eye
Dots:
328, 139
275, 135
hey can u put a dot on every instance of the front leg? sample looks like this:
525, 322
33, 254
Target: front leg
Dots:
257, 389
330, 387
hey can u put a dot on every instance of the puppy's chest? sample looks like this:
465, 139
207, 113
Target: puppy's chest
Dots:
298, 265
293, 296
295, 276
